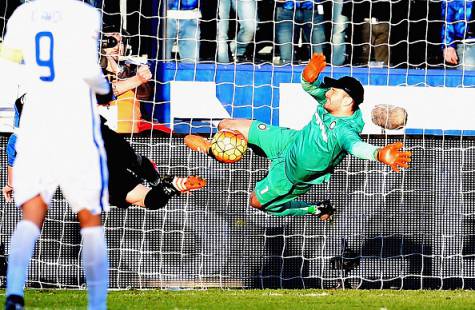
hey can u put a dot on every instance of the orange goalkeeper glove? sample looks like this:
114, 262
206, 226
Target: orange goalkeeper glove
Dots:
314, 67
392, 156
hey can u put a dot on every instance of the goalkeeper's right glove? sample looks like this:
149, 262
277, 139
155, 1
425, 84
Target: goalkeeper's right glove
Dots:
314, 67
105, 99
392, 156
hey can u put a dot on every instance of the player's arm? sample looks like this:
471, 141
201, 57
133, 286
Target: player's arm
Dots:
143, 75
121, 86
7, 190
310, 75
452, 14
390, 154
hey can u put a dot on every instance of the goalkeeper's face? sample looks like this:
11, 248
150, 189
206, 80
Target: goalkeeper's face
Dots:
118, 50
338, 100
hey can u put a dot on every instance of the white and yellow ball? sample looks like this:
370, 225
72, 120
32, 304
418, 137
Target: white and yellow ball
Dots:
228, 146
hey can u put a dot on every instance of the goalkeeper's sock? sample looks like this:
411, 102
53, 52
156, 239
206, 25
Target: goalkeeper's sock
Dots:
301, 208
94, 256
293, 208
22, 245
158, 196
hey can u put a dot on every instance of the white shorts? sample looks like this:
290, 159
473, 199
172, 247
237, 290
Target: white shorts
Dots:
82, 176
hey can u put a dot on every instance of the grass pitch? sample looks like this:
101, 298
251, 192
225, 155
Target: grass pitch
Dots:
256, 299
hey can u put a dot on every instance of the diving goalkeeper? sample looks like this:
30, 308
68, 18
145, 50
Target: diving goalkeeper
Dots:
301, 158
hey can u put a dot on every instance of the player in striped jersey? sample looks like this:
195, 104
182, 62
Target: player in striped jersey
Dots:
59, 142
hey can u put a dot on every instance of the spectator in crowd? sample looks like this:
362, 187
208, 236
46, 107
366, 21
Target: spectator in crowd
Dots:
291, 17
183, 27
129, 81
246, 11
338, 33
372, 17
458, 33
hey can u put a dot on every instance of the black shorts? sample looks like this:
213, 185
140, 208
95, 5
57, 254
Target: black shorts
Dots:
120, 157
121, 182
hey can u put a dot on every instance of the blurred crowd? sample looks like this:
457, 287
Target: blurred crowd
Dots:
359, 33
396, 33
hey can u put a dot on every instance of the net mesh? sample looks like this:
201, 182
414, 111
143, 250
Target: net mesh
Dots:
411, 230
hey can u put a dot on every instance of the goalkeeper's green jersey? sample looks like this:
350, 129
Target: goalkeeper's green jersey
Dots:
323, 143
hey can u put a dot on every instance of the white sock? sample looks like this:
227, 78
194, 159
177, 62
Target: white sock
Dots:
22, 245
96, 266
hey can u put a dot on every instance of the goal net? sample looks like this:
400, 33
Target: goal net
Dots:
411, 230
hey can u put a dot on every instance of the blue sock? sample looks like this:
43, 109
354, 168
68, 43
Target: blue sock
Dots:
22, 245
96, 266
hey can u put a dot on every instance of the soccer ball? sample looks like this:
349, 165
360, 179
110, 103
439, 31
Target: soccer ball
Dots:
228, 146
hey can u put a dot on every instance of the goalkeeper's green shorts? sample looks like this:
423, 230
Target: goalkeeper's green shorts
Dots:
272, 140
275, 189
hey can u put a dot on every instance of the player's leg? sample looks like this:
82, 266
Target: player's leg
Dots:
126, 188
22, 245
137, 195
94, 257
240, 124
127, 173
121, 154
271, 140
157, 196
85, 187
121, 183
201, 144
324, 210
88, 205
276, 195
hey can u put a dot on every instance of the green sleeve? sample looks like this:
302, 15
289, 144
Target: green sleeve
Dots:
351, 142
364, 150
315, 90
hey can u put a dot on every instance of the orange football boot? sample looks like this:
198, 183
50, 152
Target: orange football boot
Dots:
198, 143
188, 184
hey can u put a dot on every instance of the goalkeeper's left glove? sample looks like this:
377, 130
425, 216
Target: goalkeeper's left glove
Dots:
314, 67
392, 156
